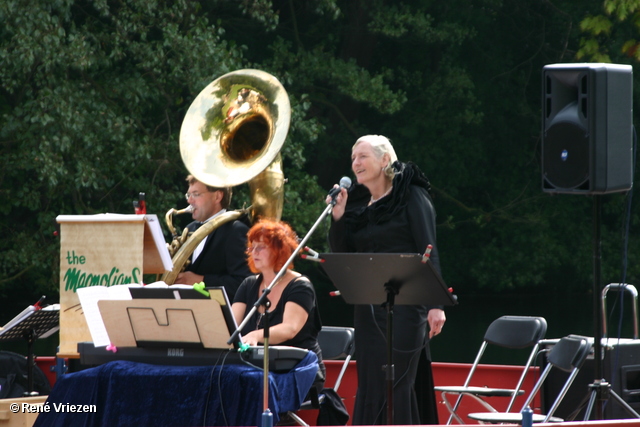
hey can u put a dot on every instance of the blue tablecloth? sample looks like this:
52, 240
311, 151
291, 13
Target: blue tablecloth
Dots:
139, 394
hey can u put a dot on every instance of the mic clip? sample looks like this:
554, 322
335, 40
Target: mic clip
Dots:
427, 254
312, 256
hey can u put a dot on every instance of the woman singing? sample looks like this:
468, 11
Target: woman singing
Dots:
389, 210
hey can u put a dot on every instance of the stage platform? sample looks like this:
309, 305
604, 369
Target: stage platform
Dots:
444, 374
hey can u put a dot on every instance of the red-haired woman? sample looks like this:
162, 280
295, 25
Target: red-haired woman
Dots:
294, 319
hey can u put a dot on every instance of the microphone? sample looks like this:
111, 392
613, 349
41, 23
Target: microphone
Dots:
345, 182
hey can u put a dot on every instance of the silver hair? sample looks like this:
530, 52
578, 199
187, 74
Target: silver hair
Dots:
381, 146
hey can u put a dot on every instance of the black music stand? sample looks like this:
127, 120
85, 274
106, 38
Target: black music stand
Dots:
387, 279
40, 323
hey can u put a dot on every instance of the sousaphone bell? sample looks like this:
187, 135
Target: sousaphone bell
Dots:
232, 134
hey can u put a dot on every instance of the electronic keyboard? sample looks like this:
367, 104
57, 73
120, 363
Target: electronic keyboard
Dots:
281, 358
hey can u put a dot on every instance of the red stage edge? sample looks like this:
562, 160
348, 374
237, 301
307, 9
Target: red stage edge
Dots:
444, 374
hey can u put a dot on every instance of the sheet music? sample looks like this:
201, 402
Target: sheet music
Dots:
89, 298
158, 238
162, 285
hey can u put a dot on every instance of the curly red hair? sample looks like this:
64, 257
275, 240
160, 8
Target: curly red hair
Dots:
278, 236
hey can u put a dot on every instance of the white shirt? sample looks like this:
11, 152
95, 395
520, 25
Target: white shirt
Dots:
200, 247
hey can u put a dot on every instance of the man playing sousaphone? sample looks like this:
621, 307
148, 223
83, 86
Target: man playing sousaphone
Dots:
219, 259
232, 134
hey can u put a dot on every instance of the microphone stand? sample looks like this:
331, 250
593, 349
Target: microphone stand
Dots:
267, 419
267, 416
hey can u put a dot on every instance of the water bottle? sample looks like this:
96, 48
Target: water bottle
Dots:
527, 417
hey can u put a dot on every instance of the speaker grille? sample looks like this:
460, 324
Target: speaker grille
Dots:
566, 156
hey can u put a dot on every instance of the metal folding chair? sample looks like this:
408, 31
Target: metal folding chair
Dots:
336, 343
514, 332
568, 355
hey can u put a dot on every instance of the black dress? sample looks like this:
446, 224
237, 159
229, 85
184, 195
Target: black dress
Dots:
402, 222
299, 290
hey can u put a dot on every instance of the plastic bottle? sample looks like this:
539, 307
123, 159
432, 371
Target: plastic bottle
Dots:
527, 417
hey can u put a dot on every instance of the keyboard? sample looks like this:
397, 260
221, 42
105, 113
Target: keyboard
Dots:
281, 358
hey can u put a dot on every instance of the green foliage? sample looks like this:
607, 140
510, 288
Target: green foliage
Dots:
93, 98
94, 93
601, 34
621, 8
596, 25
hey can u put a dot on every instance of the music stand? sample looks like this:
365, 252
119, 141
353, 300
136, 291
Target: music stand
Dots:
41, 323
387, 279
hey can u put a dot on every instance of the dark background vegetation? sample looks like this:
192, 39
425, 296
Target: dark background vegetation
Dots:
93, 94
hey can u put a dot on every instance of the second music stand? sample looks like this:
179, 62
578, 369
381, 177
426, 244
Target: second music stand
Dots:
387, 279
39, 323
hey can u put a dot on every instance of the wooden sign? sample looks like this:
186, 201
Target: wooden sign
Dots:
103, 250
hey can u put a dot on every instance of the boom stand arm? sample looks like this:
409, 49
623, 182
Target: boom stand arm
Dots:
261, 301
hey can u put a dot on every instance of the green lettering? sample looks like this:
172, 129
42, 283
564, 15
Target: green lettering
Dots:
135, 272
82, 281
75, 278
114, 270
93, 280
71, 279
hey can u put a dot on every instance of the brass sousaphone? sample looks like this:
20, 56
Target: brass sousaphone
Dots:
232, 134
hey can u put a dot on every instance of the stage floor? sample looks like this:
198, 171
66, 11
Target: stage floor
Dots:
444, 374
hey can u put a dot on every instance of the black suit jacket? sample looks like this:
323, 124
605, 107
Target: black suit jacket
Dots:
223, 261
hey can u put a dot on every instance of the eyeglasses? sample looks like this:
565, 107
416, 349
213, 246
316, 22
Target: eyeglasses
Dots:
256, 248
195, 195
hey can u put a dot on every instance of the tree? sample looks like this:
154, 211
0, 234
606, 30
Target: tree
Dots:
94, 92
93, 97
611, 34
471, 74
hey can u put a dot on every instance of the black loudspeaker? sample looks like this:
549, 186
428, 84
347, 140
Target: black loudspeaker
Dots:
620, 367
587, 128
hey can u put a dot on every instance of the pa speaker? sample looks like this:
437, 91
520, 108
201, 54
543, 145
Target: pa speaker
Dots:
587, 128
620, 368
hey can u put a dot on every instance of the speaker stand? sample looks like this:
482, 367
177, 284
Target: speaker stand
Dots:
600, 388
600, 392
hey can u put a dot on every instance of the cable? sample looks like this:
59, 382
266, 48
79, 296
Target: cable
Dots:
213, 368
